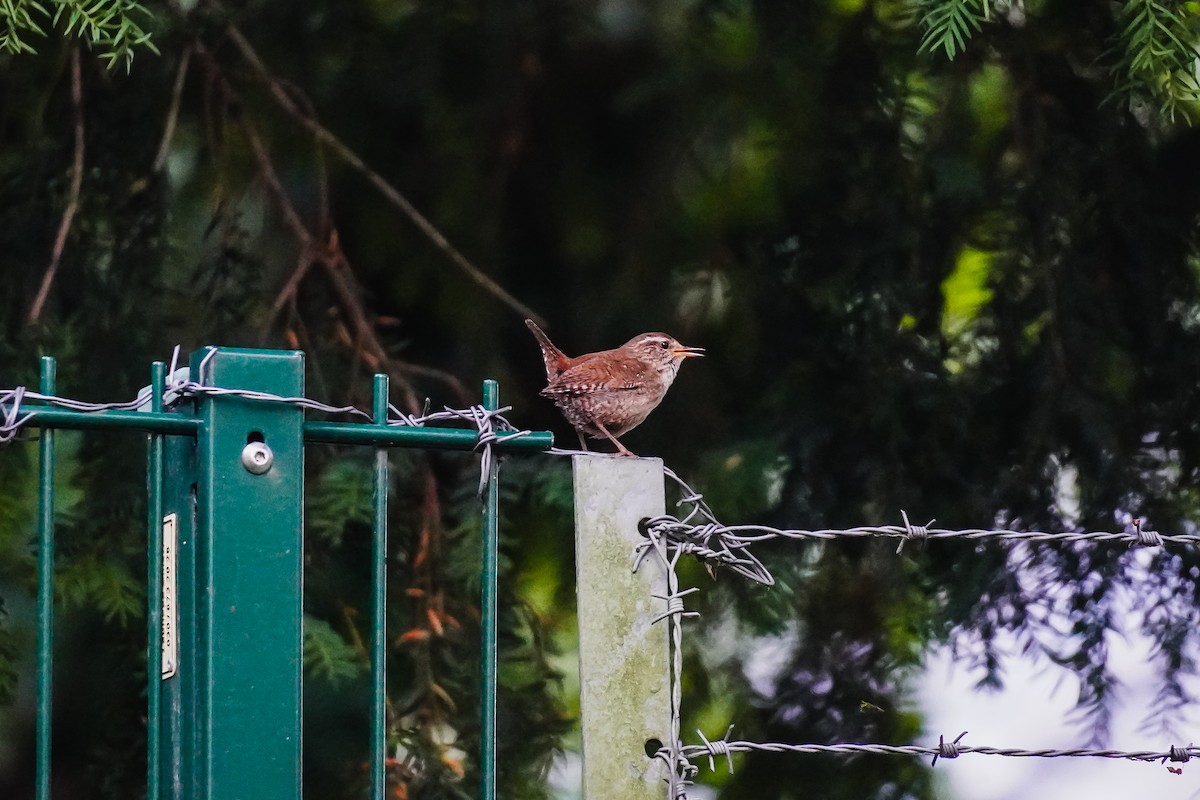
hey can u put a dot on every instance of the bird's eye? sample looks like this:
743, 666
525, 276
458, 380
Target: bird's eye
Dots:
664, 345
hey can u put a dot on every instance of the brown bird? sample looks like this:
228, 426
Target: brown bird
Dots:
608, 393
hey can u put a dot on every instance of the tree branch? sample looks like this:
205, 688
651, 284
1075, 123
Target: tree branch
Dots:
325, 136
333, 261
329, 255
287, 294
164, 148
64, 226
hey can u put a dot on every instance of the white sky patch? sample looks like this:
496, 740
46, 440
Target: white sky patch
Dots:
771, 656
1034, 710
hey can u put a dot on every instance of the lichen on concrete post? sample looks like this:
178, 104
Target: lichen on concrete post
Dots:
623, 657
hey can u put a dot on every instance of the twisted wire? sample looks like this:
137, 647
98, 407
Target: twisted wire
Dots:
699, 532
680, 770
724, 747
493, 428
740, 536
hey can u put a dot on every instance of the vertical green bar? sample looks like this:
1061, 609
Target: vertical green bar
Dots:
249, 579
180, 692
45, 602
379, 607
154, 582
488, 605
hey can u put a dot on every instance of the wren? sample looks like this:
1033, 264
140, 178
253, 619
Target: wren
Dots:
609, 393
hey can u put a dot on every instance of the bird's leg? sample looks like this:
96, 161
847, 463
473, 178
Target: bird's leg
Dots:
622, 450
582, 441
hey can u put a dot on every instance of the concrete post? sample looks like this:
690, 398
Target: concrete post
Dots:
623, 660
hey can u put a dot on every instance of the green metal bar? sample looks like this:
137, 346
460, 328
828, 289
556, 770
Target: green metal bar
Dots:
314, 431
249, 580
488, 606
45, 601
151, 422
181, 693
401, 436
154, 585
379, 551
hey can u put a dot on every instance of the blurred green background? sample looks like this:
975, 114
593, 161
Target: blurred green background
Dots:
942, 254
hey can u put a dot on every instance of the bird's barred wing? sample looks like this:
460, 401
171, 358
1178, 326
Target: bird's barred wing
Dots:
561, 389
595, 376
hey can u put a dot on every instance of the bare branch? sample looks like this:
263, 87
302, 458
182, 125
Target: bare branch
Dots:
64, 226
335, 265
287, 295
164, 148
329, 255
393, 195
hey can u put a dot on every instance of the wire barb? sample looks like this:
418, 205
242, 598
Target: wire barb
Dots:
1179, 754
947, 749
918, 532
718, 747
675, 607
1145, 536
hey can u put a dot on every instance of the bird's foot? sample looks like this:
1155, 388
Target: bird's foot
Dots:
622, 450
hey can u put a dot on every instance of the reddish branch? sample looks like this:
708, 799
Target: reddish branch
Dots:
325, 250
393, 196
329, 256
64, 225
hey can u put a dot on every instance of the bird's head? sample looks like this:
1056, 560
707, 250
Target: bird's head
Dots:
661, 350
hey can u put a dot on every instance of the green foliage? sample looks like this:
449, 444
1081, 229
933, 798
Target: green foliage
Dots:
8, 657
18, 505
745, 480
949, 24
340, 496
104, 586
113, 28
1151, 49
327, 655
1157, 45
18, 21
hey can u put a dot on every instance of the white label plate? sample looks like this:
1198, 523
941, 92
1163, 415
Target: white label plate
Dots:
170, 634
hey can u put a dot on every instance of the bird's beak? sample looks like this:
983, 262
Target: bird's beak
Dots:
687, 352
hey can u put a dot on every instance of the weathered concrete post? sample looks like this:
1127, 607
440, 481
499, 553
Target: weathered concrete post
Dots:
623, 660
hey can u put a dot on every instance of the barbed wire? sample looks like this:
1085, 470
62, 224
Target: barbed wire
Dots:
698, 532
491, 425
701, 534
945, 749
743, 535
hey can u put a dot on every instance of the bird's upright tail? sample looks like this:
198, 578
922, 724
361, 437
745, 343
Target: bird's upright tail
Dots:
556, 360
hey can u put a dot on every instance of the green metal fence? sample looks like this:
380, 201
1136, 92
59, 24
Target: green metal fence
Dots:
225, 489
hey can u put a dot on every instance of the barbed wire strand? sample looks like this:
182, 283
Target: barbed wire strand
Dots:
725, 747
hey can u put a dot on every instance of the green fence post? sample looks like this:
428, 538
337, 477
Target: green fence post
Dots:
248, 578
489, 609
154, 587
45, 601
379, 537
